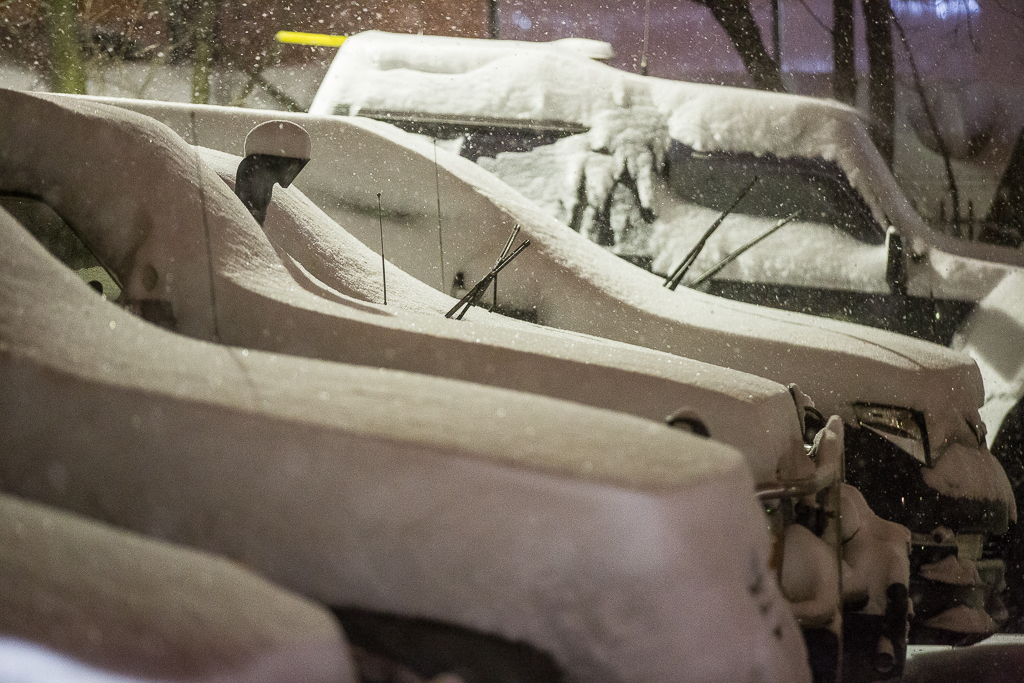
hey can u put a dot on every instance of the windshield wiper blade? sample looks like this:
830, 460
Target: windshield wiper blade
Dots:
732, 256
471, 297
673, 279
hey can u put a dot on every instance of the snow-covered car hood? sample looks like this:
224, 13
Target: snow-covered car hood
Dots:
467, 80
303, 285
505, 512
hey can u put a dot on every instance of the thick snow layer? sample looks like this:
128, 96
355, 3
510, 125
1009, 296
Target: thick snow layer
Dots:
993, 335
574, 284
305, 286
460, 55
963, 619
875, 556
809, 578
25, 662
876, 552
806, 253
952, 570
626, 549
128, 606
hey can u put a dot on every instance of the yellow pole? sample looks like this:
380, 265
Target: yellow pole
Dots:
318, 39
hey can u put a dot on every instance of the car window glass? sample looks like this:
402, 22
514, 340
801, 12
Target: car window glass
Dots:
814, 187
60, 240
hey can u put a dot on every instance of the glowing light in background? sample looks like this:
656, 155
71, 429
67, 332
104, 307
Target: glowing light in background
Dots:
521, 20
943, 9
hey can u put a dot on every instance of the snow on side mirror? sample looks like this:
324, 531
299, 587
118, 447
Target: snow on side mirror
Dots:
275, 152
895, 262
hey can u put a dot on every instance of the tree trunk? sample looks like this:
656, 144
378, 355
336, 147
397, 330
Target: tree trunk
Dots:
178, 32
202, 57
738, 23
844, 66
881, 75
66, 71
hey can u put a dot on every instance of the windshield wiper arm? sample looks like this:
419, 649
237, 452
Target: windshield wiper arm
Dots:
714, 270
473, 295
673, 279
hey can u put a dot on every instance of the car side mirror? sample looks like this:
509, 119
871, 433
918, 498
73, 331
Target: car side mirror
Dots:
275, 152
895, 262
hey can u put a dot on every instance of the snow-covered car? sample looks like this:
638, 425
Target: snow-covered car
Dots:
905, 425
192, 259
959, 495
645, 166
606, 546
81, 601
302, 285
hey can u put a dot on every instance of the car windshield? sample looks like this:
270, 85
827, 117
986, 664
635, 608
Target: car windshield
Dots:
60, 239
814, 187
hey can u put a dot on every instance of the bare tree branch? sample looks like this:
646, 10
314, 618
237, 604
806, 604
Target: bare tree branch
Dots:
954, 192
881, 74
738, 23
844, 65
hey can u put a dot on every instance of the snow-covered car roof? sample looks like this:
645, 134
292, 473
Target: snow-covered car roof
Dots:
321, 299
510, 513
471, 80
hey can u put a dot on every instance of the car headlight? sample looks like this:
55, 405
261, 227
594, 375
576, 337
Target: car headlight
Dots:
903, 427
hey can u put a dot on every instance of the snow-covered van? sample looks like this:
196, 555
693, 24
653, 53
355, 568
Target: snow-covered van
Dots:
190, 258
586, 541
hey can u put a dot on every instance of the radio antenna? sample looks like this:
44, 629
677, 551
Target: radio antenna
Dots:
437, 191
383, 270
647, 37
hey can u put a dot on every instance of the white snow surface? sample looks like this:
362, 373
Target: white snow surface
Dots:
83, 601
305, 286
876, 552
624, 548
952, 570
963, 619
994, 335
574, 284
460, 55
26, 662
875, 555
